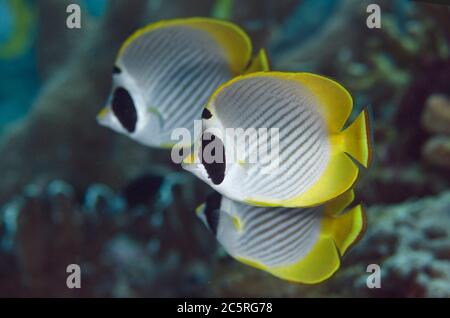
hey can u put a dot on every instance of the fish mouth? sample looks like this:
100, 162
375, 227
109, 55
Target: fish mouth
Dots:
102, 114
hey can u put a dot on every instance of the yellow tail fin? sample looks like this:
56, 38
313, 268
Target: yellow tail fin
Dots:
357, 139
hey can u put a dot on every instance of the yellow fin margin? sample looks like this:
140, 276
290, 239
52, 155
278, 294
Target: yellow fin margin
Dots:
336, 206
318, 265
341, 172
357, 140
260, 63
336, 236
103, 113
346, 228
339, 176
236, 42
200, 209
334, 100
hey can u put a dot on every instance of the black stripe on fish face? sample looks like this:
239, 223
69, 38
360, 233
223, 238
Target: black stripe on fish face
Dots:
206, 114
123, 108
212, 211
215, 168
116, 70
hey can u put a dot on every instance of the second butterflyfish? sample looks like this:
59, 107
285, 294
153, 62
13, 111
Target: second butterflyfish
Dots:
165, 73
301, 245
316, 154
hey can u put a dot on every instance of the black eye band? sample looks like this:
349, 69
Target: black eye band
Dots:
206, 114
123, 108
212, 211
215, 168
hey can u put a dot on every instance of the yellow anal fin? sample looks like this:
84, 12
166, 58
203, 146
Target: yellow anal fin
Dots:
337, 235
338, 177
189, 159
318, 265
199, 210
259, 63
346, 228
357, 140
341, 172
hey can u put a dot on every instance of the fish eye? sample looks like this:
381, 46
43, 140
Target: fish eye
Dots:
124, 109
215, 168
212, 211
206, 114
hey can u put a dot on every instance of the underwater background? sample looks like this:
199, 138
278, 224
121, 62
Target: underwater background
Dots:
72, 192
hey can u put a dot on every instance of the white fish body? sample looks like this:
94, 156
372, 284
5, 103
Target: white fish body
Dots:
165, 73
296, 244
314, 152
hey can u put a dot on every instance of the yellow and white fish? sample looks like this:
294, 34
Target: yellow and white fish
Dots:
303, 245
165, 73
315, 154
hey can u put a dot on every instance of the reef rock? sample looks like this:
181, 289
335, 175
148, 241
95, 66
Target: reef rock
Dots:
436, 151
409, 241
436, 116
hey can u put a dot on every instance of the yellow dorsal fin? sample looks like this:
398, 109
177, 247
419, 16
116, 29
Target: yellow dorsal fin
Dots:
259, 63
231, 37
334, 100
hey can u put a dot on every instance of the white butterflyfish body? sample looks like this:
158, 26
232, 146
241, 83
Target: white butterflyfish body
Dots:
296, 244
165, 73
315, 155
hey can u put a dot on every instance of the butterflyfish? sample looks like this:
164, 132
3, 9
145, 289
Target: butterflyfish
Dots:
303, 245
312, 158
166, 71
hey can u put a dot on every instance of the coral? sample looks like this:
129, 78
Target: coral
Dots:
436, 151
436, 115
410, 242
436, 120
147, 249
61, 134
